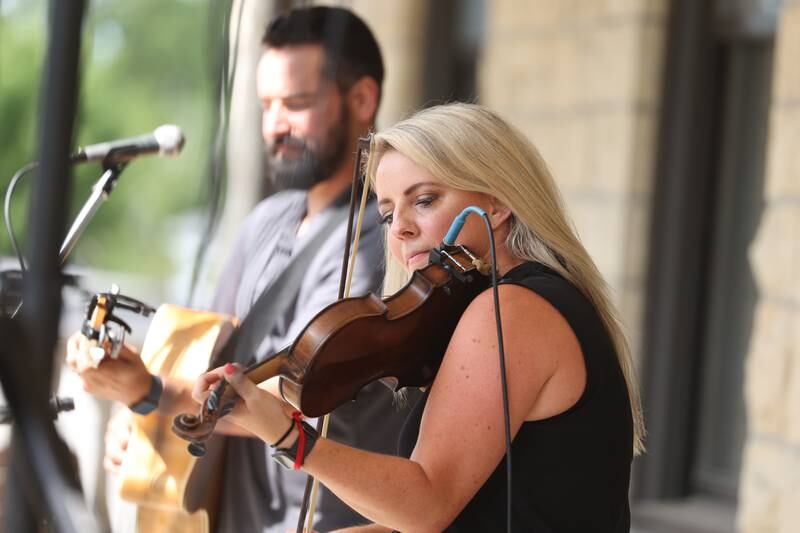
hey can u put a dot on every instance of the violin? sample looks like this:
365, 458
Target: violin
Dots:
400, 340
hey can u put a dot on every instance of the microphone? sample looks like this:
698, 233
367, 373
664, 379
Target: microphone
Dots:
165, 140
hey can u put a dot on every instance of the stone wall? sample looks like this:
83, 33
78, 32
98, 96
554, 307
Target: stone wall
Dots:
770, 480
582, 79
399, 28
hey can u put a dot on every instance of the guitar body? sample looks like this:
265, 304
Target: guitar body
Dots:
154, 474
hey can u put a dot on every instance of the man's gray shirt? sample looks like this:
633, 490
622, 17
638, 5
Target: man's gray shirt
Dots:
257, 494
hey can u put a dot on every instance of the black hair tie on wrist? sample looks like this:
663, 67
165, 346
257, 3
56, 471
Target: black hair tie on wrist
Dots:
283, 437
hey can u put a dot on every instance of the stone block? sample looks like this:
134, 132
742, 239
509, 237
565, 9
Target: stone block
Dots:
609, 66
769, 488
560, 143
393, 20
786, 84
789, 511
610, 147
767, 370
616, 9
527, 74
521, 16
783, 156
793, 392
759, 490
600, 225
775, 252
399, 27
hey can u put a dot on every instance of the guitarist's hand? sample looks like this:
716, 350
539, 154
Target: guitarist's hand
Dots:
258, 411
124, 379
118, 433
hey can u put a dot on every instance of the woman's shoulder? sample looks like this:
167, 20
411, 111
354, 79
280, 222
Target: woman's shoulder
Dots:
524, 288
530, 323
562, 295
522, 306
536, 313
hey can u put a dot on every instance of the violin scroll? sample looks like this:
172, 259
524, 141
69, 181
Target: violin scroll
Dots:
198, 428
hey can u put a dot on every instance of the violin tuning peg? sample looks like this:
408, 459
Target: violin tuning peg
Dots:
197, 449
211, 403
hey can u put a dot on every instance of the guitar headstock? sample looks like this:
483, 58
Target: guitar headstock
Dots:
105, 330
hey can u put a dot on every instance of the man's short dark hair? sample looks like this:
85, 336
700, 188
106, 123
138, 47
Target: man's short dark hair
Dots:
351, 51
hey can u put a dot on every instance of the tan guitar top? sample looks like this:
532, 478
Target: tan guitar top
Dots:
156, 468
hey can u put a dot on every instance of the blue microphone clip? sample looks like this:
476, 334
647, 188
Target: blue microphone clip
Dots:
458, 223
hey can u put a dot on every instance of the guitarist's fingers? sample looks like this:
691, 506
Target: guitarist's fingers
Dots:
80, 356
111, 465
74, 352
129, 353
118, 434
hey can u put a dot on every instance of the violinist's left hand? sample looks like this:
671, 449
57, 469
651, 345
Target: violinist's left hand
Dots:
257, 411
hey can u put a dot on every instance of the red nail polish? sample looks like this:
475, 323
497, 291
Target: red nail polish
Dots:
230, 368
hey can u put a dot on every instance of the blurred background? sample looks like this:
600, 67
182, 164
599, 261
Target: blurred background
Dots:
672, 128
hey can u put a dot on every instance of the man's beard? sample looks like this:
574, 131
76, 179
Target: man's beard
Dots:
312, 165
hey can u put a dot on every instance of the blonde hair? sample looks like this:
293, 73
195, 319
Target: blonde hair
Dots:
468, 147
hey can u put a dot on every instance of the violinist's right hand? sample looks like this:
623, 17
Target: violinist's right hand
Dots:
124, 379
118, 434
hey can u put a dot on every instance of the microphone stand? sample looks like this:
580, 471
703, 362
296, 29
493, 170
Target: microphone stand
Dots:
57, 404
25, 516
100, 193
42, 485
101, 190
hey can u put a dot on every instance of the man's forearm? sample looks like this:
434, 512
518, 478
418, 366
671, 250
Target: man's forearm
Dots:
176, 398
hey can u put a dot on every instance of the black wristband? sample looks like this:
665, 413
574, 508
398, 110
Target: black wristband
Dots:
287, 457
149, 403
278, 442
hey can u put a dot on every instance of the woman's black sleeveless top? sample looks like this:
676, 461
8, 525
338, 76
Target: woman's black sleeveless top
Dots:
570, 471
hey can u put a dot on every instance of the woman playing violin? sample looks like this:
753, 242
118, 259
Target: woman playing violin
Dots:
574, 409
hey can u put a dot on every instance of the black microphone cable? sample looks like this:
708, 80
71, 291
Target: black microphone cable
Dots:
449, 239
7, 211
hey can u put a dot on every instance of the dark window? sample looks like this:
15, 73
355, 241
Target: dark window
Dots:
455, 37
701, 291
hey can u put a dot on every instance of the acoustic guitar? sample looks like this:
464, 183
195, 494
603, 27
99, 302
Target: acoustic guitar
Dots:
156, 469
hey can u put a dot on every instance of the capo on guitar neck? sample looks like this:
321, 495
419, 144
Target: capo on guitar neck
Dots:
104, 328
